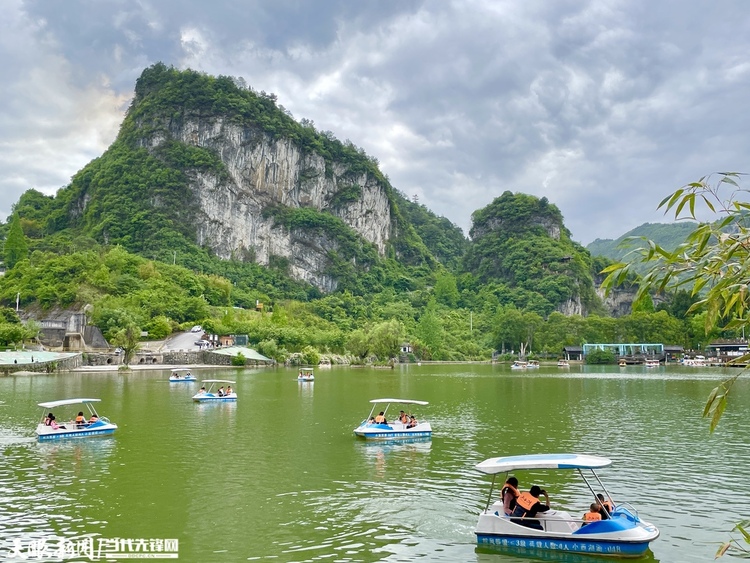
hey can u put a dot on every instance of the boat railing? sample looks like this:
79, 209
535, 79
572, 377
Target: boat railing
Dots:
626, 509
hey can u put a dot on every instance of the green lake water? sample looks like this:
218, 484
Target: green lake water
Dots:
279, 476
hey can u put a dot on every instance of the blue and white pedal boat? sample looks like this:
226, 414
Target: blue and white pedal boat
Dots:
305, 374
394, 430
181, 375
623, 534
95, 425
208, 395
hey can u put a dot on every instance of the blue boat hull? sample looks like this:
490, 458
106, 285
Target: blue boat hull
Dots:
619, 549
62, 435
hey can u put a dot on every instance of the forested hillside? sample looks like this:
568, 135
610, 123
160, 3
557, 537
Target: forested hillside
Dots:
130, 236
667, 235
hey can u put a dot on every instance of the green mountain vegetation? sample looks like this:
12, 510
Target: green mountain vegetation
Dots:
666, 235
122, 238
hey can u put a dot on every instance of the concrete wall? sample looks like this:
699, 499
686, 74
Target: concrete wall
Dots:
53, 366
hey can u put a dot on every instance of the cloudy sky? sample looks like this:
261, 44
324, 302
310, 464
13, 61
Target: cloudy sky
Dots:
602, 106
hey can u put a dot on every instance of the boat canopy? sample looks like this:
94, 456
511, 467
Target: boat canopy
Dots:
218, 381
177, 370
402, 401
306, 369
542, 461
53, 404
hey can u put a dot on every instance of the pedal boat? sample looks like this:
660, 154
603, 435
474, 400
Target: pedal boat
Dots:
394, 430
64, 430
210, 396
305, 374
180, 375
624, 534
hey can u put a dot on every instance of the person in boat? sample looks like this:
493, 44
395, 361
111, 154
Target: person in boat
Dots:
221, 391
412, 421
380, 419
528, 506
605, 505
94, 418
509, 494
53, 422
593, 515
202, 391
229, 390
80, 420
48, 419
403, 418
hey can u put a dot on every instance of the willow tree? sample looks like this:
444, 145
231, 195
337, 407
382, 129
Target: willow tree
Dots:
712, 265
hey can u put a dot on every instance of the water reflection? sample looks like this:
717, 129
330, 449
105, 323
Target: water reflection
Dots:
519, 555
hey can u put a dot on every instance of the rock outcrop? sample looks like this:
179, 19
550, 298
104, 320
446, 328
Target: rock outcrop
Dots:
261, 173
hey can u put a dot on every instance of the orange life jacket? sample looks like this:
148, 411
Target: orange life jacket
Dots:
526, 501
404, 419
511, 488
380, 419
80, 420
592, 516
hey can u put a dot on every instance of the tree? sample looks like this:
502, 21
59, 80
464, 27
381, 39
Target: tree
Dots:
429, 329
16, 248
713, 264
128, 338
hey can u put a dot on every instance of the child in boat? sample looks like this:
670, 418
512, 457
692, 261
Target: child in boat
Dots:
412, 422
80, 420
593, 515
94, 418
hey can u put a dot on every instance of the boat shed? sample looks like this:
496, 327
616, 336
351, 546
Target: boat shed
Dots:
727, 350
572, 352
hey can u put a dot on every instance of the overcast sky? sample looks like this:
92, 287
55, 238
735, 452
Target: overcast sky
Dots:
604, 107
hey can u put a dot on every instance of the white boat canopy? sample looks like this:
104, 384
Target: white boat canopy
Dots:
53, 404
177, 370
218, 381
542, 461
401, 401
306, 369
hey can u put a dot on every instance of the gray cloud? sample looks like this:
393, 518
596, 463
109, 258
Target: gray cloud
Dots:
603, 107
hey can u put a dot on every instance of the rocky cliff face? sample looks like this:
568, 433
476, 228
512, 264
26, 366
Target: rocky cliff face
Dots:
263, 172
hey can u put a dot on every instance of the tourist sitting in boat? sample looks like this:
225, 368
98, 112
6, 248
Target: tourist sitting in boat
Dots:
221, 391
528, 506
80, 420
606, 506
229, 390
53, 422
202, 391
594, 514
94, 418
48, 420
509, 494
380, 419
412, 422
403, 418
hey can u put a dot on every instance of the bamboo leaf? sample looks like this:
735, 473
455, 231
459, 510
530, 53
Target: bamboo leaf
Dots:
722, 549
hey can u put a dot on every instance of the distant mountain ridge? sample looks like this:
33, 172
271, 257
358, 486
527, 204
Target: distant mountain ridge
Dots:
667, 235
